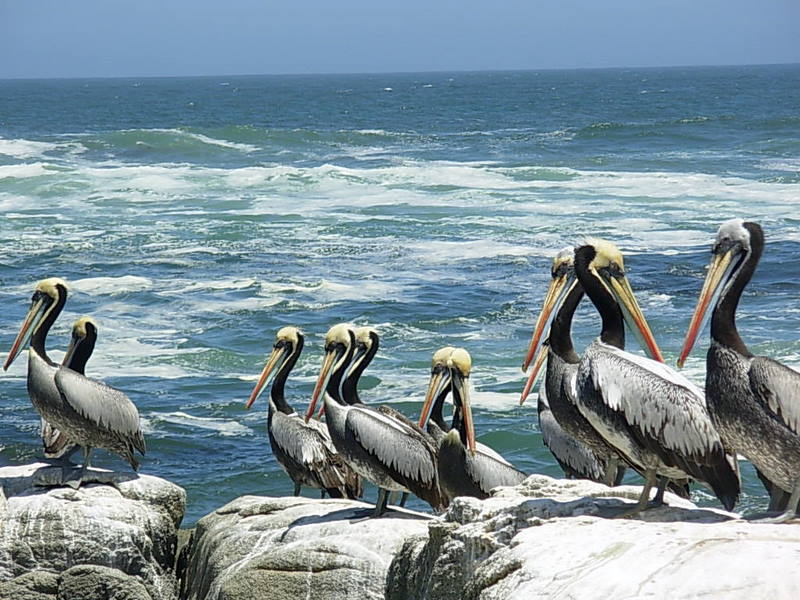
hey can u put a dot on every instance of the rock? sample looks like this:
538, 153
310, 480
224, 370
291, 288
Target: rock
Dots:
550, 538
288, 548
113, 540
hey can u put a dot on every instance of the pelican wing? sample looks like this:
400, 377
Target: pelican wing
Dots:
573, 456
662, 408
101, 404
306, 443
488, 472
396, 445
777, 388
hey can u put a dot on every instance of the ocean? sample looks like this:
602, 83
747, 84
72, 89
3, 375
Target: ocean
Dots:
194, 217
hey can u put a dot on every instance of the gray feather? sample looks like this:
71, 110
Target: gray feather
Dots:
777, 388
393, 443
102, 405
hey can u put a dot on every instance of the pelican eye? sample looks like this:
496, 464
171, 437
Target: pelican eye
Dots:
726, 244
335, 347
612, 270
561, 270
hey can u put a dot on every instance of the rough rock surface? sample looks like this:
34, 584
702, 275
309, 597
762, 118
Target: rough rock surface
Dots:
550, 538
289, 548
113, 540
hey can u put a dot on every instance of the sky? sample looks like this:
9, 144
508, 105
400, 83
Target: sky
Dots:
122, 38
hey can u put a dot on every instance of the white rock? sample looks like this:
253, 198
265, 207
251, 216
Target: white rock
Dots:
552, 538
125, 529
289, 548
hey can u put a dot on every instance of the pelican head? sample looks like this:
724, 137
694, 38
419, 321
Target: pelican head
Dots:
561, 284
367, 342
460, 363
605, 264
288, 341
339, 345
47, 301
81, 345
736, 242
440, 379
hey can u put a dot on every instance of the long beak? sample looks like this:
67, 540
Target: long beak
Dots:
719, 271
439, 381
29, 325
74, 342
274, 359
466, 409
537, 368
634, 317
322, 382
558, 290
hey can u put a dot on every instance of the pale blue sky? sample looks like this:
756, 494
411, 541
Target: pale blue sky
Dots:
105, 38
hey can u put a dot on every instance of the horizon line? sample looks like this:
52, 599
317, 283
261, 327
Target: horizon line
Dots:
431, 72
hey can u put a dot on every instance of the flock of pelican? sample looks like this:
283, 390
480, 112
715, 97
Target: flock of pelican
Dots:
599, 413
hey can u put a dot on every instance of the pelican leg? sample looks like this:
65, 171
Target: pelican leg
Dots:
649, 480
322, 494
612, 467
776, 497
791, 508
380, 505
659, 498
87, 461
296, 489
403, 499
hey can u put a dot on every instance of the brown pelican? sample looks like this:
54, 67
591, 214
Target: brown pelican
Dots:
754, 401
656, 418
559, 416
464, 469
88, 412
367, 344
383, 450
575, 458
303, 450
81, 345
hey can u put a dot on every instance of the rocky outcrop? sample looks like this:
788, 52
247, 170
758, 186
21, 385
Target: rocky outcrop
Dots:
289, 548
115, 539
557, 539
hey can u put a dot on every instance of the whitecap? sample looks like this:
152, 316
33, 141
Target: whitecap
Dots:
225, 427
19, 148
111, 285
437, 251
24, 171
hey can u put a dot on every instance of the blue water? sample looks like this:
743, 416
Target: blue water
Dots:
193, 217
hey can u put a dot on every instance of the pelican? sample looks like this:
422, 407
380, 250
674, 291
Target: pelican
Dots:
303, 450
383, 450
463, 469
81, 345
575, 458
367, 343
754, 401
656, 418
562, 419
88, 412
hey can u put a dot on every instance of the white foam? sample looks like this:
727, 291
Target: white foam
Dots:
222, 143
225, 427
437, 251
24, 171
494, 401
20, 148
111, 285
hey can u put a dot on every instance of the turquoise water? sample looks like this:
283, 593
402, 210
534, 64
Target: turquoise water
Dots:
194, 217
